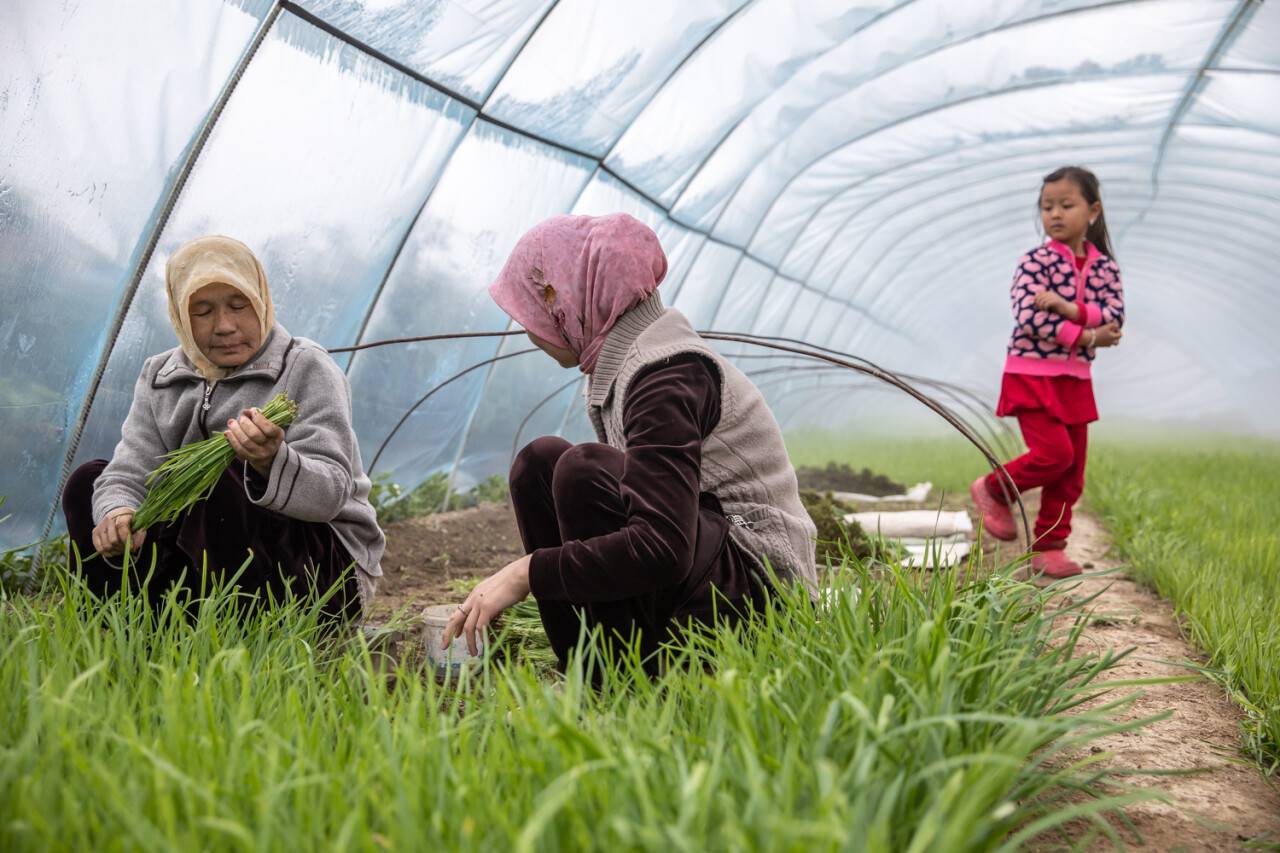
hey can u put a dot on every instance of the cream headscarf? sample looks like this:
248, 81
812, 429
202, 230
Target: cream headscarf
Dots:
214, 260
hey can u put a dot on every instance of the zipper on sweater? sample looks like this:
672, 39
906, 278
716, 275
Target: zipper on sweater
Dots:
204, 407
1077, 350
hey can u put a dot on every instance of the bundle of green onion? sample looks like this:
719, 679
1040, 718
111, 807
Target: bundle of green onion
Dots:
189, 473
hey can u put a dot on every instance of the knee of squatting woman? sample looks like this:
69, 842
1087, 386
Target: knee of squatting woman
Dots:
1068, 302
672, 514
295, 504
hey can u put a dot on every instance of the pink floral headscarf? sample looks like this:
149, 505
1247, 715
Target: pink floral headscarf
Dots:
570, 278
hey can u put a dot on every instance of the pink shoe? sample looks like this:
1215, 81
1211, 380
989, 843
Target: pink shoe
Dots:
1054, 564
997, 520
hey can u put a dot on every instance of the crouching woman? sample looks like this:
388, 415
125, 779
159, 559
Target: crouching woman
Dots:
293, 509
673, 514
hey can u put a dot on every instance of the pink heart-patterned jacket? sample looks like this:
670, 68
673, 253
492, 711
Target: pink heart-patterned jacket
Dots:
1044, 343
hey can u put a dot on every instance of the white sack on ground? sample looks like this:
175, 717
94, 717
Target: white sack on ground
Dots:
936, 555
916, 524
917, 493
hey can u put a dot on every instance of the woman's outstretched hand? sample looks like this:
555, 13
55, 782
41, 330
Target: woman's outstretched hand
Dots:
255, 439
491, 596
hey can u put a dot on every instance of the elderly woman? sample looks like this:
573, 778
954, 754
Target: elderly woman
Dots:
293, 509
673, 514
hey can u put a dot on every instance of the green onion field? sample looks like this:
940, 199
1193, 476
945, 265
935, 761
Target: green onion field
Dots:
903, 712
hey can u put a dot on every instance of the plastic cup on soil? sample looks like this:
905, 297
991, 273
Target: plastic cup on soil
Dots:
453, 659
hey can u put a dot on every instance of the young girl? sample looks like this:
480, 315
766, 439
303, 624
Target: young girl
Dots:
672, 515
1067, 302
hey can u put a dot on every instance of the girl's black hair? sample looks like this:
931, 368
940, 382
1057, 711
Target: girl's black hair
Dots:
1091, 190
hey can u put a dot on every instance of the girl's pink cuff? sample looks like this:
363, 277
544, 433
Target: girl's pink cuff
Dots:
1092, 315
1069, 333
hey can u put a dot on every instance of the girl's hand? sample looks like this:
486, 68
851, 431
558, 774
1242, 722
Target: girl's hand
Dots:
491, 596
116, 533
255, 439
1049, 301
1108, 335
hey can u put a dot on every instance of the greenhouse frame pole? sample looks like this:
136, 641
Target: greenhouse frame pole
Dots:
170, 200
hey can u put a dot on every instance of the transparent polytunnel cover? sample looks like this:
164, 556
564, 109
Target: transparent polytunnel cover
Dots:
860, 176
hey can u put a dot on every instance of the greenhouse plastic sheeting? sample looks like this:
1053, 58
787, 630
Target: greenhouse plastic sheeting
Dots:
861, 176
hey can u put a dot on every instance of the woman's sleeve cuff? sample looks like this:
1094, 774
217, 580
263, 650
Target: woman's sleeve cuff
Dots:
544, 575
275, 494
1092, 315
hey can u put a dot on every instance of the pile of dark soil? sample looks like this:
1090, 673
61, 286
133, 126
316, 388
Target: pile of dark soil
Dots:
836, 537
843, 478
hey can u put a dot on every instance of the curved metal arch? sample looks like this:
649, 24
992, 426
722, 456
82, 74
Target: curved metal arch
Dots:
991, 425
890, 217
693, 262
515, 440
715, 147
1180, 205
484, 385
724, 292
842, 191
813, 390
706, 39
937, 108
868, 368
840, 230
817, 211
164, 207
1230, 31
1175, 247
431, 392
994, 441
896, 65
967, 167
1261, 131
941, 216
1039, 134
404, 239
907, 233
515, 54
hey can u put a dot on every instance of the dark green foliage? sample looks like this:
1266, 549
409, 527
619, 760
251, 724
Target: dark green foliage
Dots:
836, 537
22, 568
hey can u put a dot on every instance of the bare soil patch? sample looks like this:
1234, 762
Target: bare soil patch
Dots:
426, 555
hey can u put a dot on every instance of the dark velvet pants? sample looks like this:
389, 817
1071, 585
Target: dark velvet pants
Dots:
285, 556
563, 492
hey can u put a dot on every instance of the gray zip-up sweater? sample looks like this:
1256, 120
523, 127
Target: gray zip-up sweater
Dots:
317, 475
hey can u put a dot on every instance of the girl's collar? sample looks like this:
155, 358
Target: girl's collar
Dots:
1091, 252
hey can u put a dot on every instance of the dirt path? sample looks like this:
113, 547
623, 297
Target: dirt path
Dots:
1221, 809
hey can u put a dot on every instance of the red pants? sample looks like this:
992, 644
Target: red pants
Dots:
1053, 463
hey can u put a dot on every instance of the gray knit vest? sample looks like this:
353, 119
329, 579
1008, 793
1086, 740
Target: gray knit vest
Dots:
744, 461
